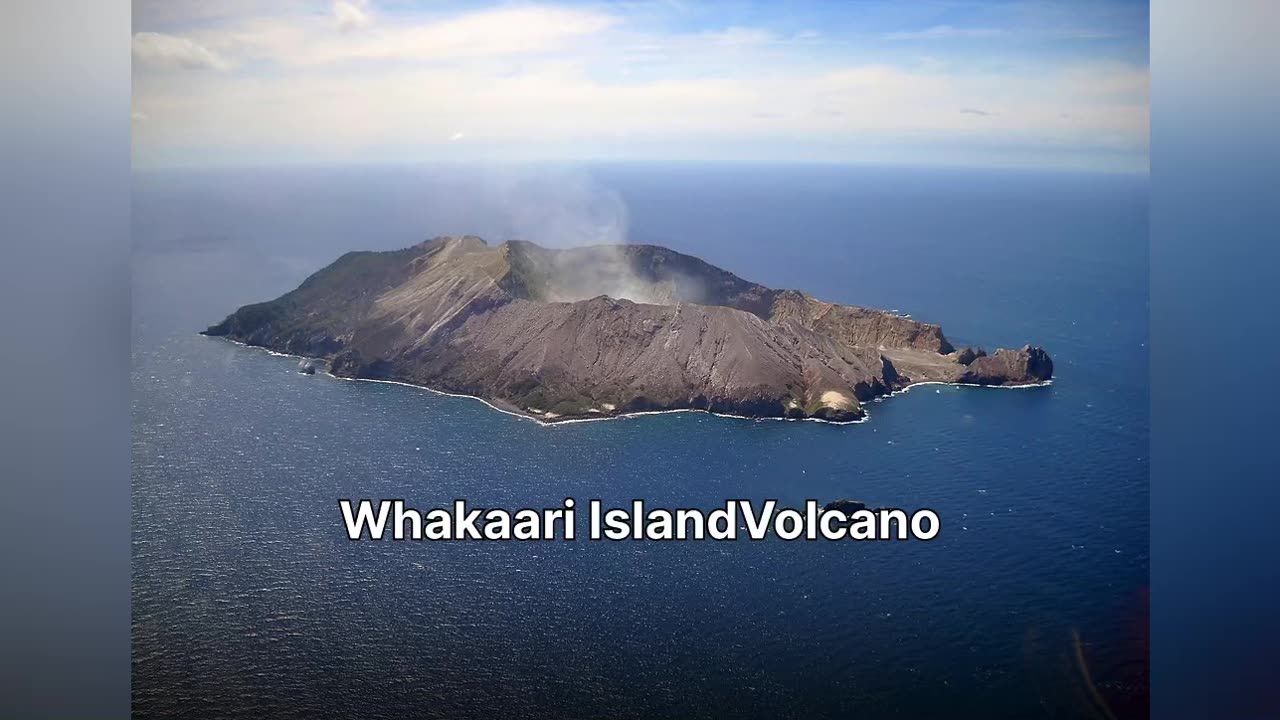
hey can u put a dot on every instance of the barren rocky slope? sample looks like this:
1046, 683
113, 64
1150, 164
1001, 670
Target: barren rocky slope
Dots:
598, 331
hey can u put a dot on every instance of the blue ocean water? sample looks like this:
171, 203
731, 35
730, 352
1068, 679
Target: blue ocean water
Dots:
249, 601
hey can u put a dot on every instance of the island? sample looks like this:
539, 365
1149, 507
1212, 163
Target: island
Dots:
608, 330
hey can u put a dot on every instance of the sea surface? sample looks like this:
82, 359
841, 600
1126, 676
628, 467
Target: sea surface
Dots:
249, 601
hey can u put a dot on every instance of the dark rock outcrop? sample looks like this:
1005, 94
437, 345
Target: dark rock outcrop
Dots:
1032, 364
966, 356
845, 506
597, 331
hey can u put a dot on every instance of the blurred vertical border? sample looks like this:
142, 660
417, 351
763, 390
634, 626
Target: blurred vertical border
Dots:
64, 377
1215, 352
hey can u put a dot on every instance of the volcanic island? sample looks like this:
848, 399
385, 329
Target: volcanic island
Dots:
605, 331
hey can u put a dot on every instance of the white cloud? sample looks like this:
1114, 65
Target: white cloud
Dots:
173, 51
562, 103
350, 15
502, 32
736, 36
945, 32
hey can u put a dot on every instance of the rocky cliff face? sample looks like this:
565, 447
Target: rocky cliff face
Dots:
597, 331
1031, 363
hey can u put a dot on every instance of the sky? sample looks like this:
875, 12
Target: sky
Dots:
1038, 84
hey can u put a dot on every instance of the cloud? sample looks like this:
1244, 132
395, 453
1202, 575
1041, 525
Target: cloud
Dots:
556, 108
501, 32
350, 15
945, 32
172, 51
548, 83
736, 36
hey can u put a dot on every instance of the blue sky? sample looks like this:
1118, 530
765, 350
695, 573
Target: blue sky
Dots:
1025, 84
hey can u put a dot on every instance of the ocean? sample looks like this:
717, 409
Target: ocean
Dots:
249, 601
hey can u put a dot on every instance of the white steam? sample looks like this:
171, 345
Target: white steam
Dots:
563, 209
560, 207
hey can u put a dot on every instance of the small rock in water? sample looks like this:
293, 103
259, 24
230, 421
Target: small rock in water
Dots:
307, 367
845, 505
